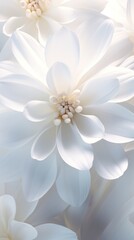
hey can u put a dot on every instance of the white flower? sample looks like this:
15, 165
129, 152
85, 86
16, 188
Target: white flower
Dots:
122, 11
14, 218
51, 133
40, 18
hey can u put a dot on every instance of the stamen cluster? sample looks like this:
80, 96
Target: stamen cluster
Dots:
34, 8
66, 107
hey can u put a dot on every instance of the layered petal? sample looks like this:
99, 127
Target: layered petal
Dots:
55, 232
63, 47
17, 90
37, 111
21, 231
29, 54
59, 79
117, 120
99, 90
44, 144
12, 24
95, 36
90, 128
110, 160
39, 177
73, 185
72, 149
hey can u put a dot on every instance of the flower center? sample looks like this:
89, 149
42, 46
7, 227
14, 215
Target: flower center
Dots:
34, 8
66, 107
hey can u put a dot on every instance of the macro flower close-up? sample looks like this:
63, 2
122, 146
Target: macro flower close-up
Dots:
66, 119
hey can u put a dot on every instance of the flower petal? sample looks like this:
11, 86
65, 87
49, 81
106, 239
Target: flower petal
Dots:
117, 120
54, 232
29, 54
59, 79
15, 128
37, 111
63, 47
110, 160
7, 211
13, 9
95, 36
70, 144
12, 24
90, 128
44, 144
39, 178
99, 90
21, 231
73, 185
17, 90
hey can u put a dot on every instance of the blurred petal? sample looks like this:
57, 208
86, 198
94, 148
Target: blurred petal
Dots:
110, 160
73, 185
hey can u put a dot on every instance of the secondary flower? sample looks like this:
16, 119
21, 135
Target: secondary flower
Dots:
122, 12
40, 18
60, 111
14, 214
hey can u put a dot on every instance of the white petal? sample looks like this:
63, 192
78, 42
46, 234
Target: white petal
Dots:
46, 27
73, 185
39, 178
117, 120
90, 128
29, 54
59, 79
21, 231
15, 128
99, 90
63, 47
70, 144
7, 211
17, 90
130, 12
55, 232
62, 14
42, 214
13, 9
110, 161
12, 24
95, 36
44, 144
23, 207
37, 111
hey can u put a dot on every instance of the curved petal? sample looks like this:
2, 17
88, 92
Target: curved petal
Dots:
54, 232
46, 27
39, 178
43, 214
110, 161
29, 54
72, 149
63, 14
17, 90
12, 24
95, 36
117, 120
63, 47
7, 211
37, 111
21, 231
90, 128
15, 128
59, 79
99, 90
44, 144
13, 9
73, 185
